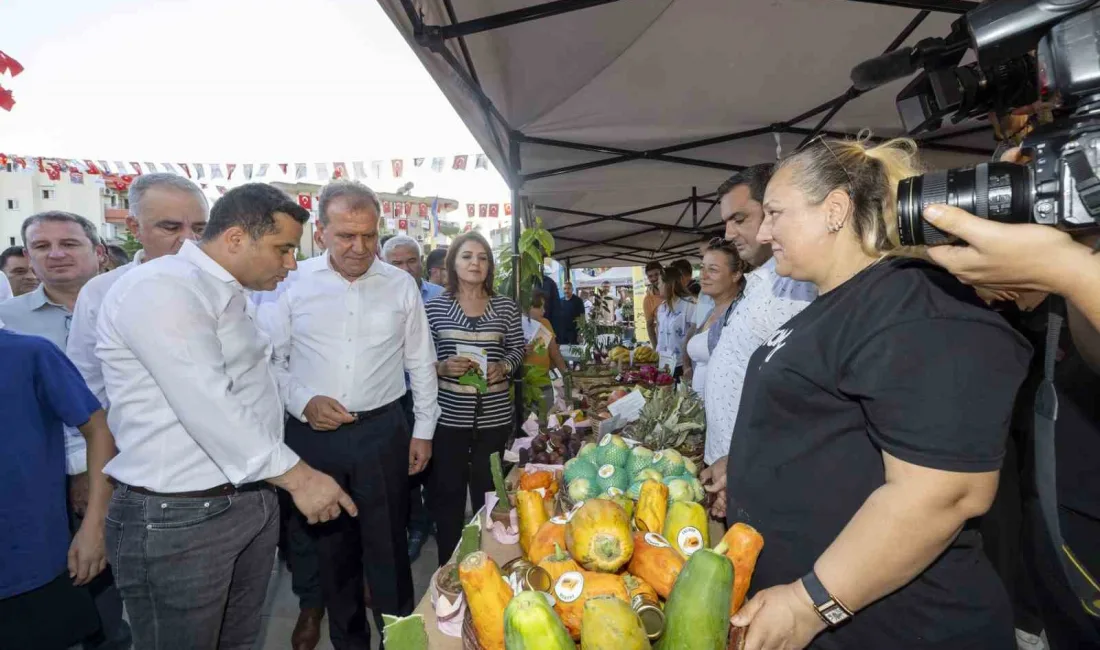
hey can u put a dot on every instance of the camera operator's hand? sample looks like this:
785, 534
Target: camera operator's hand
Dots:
1009, 257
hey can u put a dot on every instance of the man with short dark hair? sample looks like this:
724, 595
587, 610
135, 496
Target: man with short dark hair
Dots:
652, 301
437, 266
15, 265
197, 416
572, 308
344, 333
767, 301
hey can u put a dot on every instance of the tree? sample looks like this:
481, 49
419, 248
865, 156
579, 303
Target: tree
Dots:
129, 243
448, 229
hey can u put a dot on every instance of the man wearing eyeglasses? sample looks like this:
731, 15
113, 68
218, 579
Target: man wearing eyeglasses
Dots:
768, 301
65, 253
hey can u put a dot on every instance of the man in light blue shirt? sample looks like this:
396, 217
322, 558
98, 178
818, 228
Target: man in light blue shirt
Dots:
404, 252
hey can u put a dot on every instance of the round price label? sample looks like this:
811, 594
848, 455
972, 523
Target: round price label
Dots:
653, 539
689, 539
606, 440
569, 586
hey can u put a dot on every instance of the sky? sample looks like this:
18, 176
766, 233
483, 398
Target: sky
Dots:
218, 81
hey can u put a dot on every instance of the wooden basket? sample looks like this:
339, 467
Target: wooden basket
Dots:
469, 634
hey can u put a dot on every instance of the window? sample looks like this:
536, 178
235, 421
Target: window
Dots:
10, 167
113, 200
49, 194
13, 204
11, 241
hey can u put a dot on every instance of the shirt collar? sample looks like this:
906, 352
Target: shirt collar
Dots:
326, 265
38, 299
191, 252
139, 257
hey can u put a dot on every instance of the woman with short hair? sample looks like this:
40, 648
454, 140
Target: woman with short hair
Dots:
872, 426
674, 316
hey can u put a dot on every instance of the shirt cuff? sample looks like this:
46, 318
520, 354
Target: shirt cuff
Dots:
423, 430
76, 452
296, 403
276, 463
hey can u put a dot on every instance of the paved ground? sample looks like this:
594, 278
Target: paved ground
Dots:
281, 608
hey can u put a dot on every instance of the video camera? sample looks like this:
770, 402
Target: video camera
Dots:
1028, 51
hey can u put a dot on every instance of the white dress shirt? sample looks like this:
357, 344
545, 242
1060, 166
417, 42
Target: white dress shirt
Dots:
5, 287
80, 349
194, 401
769, 301
353, 341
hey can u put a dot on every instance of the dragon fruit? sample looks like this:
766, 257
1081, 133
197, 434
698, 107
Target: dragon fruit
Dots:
648, 374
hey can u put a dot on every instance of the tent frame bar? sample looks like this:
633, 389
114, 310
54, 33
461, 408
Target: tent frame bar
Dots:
435, 37
508, 18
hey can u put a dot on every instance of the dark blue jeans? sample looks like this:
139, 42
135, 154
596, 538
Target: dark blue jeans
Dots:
193, 572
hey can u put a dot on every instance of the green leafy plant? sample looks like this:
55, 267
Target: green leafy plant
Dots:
472, 377
129, 243
535, 244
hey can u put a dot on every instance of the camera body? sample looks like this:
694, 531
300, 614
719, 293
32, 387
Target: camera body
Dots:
1027, 51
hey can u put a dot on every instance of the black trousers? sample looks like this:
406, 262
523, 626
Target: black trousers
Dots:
370, 460
460, 459
420, 520
299, 548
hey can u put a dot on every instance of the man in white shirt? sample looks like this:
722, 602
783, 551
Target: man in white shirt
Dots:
197, 417
15, 266
768, 301
344, 333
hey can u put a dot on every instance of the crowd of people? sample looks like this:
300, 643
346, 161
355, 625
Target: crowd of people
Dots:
177, 417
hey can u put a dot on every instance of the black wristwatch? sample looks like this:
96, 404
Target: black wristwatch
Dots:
828, 607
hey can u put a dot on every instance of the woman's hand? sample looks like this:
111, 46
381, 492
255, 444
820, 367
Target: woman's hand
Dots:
498, 372
779, 618
455, 366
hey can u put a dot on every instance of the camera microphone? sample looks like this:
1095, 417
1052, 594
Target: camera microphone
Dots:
881, 70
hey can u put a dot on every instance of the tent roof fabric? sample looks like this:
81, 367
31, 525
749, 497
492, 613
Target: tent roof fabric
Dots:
616, 276
606, 83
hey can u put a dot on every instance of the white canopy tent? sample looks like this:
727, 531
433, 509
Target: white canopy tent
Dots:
615, 120
618, 277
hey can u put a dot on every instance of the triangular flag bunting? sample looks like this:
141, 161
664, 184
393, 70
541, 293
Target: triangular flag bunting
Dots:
398, 167
229, 169
460, 162
481, 162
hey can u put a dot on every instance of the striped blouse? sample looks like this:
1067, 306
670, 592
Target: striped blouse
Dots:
499, 333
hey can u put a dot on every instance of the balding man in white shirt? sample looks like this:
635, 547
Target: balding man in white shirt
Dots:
344, 333
198, 421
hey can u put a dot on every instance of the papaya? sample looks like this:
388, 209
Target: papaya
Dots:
534, 480
531, 624
635, 586
655, 562
487, 595
549, 535
610, 624
697, 611
745, 544
574, 588
598, 536
649, 515
532, 515
687, 527
558, 563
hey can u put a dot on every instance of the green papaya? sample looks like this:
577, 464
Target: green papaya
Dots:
531, 624
698, 609
608, 623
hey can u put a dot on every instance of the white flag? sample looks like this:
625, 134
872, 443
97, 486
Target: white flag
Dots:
152, 168
358, 170
248, 172
299, 171
262, 171
216, 171
322, 171
170, 168
376, 168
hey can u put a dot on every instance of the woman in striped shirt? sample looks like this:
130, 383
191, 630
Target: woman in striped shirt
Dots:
470, 318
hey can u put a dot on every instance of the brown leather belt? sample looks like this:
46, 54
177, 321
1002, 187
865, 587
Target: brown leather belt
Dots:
225, 489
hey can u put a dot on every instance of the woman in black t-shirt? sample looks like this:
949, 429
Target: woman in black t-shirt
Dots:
872, 426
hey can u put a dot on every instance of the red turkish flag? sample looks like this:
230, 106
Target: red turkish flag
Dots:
229, 169
22, 162
460, 162
507, 209
409, 209
482, 210
127, 179
423, 210
306, 201
398, 209
282, 166
120, 185
186, 169
494, 210
387, 208
3, 160
470, 210
8, 64
398, 167
41, 165
6, 100
402, 224
137, 168
92, 169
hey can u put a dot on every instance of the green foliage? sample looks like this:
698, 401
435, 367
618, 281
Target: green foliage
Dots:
448, 229
129, 243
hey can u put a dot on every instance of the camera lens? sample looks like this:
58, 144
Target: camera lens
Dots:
997, 191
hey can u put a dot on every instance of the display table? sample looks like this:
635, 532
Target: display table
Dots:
500, 553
